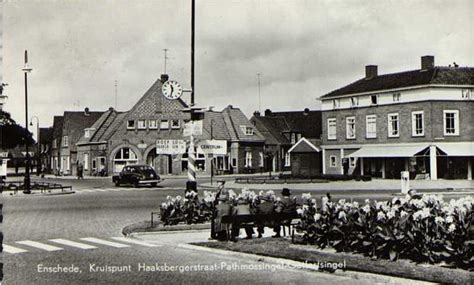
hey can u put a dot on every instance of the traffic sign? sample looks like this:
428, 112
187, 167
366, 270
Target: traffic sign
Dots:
212, 147
170, 146
192, 128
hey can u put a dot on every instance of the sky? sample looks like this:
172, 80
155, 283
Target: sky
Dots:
302, 49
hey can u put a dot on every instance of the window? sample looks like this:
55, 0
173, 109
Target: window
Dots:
332, 161
130, 124
396, 97
247, 130
94, 164
298, 137
65, 141
451, 122
86, 161
350, 128
354, 101
352, 161
175, 124
260, 154
55, 143
88, 132
332, 129
371, 126
466, 94
374, 99
417, 124
287, 159
248, 159
293, 138
234, 162
393, 125
164, 124
152, 124
141, 124
335, 103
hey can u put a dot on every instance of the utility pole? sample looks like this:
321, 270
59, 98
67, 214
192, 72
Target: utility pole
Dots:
166, 58
259, 98
115, 94
193, 9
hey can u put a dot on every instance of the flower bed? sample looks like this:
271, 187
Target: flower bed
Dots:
423, 230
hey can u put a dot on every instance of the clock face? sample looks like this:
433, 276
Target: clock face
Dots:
172, 90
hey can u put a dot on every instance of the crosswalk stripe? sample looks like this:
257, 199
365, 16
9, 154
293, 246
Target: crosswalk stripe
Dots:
12, 249
134, 241
39, 245
105, 242
73, 243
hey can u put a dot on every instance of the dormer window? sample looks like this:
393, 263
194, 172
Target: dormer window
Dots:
89, 132
374, 99
354, 101
247, 130
175, 124
141, 124
130, 125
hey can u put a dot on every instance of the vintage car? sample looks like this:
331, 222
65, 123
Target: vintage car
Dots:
136, 175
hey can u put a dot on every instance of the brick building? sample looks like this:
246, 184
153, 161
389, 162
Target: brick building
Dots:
282, 131
419, 121
117, 139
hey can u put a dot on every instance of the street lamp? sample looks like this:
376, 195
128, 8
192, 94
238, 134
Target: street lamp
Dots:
38, 157
212, 155
26, 69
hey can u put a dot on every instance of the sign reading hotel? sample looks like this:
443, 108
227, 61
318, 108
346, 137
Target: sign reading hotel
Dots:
170, 146
213, 147
192, 128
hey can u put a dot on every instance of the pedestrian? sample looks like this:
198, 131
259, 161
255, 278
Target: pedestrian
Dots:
287, 205
80, 170
222, 208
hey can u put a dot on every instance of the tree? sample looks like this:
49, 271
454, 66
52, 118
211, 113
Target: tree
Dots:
11, 133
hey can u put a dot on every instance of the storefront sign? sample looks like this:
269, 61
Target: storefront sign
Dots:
192, 128
213, 147
142, 145
170, 146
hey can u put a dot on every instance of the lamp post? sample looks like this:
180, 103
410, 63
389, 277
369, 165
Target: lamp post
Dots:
26, 69
212, 155
38, 157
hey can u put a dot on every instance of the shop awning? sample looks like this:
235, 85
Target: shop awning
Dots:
388, 151
457, 149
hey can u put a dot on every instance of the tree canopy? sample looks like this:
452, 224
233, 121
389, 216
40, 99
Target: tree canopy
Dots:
11, 133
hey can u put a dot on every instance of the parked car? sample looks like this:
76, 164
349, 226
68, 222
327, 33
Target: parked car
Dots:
136, 175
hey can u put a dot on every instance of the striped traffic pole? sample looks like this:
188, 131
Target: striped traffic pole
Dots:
191, 161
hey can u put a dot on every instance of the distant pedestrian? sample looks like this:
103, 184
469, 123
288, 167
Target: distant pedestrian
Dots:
80, 171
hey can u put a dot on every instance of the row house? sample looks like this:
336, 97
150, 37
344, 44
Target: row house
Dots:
117, 139
419, 121
291, 140
45, 148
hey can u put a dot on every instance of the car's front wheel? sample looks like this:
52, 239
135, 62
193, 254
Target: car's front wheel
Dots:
136, 184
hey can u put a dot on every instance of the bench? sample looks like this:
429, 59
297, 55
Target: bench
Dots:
262, 219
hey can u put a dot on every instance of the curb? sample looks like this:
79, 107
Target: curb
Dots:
144, 228
37, 194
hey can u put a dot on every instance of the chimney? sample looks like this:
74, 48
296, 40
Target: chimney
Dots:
86, 111
427, 62
164, 78
268, 113
306, 111
370, 71
256, 113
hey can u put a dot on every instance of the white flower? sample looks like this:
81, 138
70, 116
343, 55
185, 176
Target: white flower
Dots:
178, 198
366, 209
391, 214
381, 216
317, 216
163, 205
305, 207
168, 198
278, 199
439, 220
299, 212
367, 201
306, 196
342, 201
355, 204
449, 219
342, 215
403, 214
451, 228
313, 201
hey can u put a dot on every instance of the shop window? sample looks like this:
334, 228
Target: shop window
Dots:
164, 124
130, 125
152, 124
350, 128
175, 124
332, 161
141, 124
417, 124
393, 125
371, 126
451, 122
332, 135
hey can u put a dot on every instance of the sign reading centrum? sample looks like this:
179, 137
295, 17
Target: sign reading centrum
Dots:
213, 146
170, 146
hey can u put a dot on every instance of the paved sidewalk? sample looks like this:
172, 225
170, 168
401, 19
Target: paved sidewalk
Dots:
374, 185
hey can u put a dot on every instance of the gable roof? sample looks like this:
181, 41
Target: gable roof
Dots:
436, 75
46, 135
235, 120
305, 146
75, 123
103, 127
57, 126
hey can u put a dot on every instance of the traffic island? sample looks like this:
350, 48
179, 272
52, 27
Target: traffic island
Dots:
147, 227
329, 259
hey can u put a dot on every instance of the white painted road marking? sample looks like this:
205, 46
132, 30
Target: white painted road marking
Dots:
39, 245
105, 242
12, 249
134, 241
73, 243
